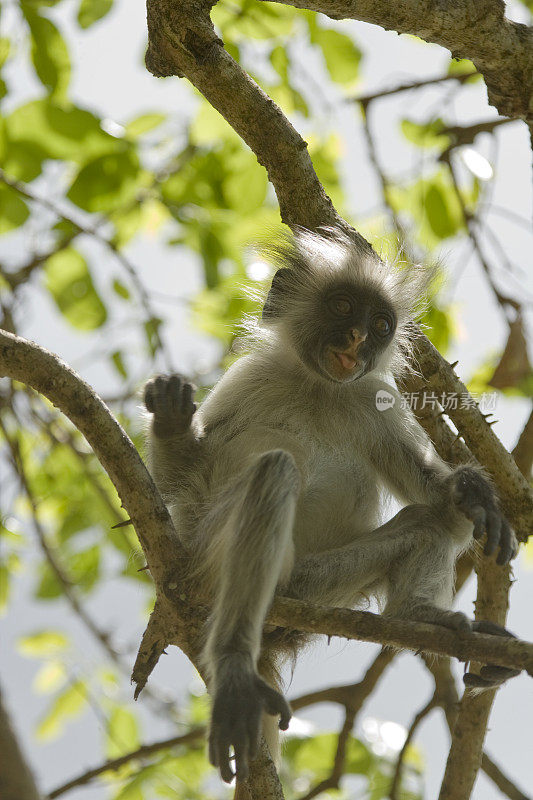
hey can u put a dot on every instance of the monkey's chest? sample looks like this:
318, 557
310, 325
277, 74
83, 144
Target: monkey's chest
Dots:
339, 500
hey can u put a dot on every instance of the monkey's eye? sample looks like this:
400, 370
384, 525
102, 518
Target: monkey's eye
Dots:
340, 306
382, 325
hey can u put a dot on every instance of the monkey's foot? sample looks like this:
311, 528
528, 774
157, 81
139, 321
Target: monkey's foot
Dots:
491, 675
169, 399
236, 721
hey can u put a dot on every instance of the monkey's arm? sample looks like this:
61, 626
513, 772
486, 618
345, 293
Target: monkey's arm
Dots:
406, 460
173, 445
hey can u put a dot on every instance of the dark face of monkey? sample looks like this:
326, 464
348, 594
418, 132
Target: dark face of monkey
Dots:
351, 328
343, 333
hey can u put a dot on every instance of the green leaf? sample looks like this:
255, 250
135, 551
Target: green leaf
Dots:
68, 280
4, 587
49, 587
42, 644
462, 66
64, 132
49, 53
121, 290
122, 732
144, 124
341, 54
65, 707
118, 363
90, 11
151, 329
426, 134
441, 220
280, 61
84, 567
13, 210
5, 49
51, 677
23, 160
107, 182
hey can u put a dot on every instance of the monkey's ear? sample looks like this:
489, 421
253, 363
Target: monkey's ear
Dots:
273, 304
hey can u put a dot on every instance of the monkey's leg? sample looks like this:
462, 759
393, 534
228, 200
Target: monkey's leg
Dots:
173, 446
411, 558
256, 552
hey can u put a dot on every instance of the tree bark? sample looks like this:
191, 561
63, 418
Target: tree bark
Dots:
16, 779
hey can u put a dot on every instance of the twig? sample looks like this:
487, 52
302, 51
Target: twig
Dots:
398, 769
135, 755
14, 279
365, 99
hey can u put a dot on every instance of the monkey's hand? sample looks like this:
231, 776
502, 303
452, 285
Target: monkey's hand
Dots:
475, 498
236, 722
170, 399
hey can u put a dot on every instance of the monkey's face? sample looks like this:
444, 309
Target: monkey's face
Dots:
352, 328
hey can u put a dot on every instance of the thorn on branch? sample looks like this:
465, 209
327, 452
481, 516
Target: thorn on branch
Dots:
123, 524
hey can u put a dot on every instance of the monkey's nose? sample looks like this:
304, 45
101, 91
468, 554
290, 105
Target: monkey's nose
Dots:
357, 337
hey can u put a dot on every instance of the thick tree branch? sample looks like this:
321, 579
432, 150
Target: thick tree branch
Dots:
523, 451
417, 636
476, 29
16, 780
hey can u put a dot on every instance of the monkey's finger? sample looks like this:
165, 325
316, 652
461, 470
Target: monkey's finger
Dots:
275, 703
149, 397
507, 544
186, 397
487, 626
223, 747
241, 757
493, 672
173, 394
494, 524
473, 681
212, 747
254, 736
479, 518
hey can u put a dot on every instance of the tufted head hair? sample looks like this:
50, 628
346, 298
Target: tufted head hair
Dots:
311, 265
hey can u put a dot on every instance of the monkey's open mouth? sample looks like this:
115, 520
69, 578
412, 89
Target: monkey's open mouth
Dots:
347, 361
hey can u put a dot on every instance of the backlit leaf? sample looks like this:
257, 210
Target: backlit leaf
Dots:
68, 280
42, 644
13, 210
66, 706
90, 11
144, 124
62, 131
106, 182
49, 53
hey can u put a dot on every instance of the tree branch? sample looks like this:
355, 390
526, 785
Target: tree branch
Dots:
28, 363
417, 636
135, 755
16, 779
523, 451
